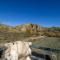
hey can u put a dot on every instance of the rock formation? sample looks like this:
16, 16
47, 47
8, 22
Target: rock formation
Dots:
17, 51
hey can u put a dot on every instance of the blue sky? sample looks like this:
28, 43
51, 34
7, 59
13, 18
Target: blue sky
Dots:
42, 12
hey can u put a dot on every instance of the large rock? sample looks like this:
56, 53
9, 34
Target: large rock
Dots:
18, 51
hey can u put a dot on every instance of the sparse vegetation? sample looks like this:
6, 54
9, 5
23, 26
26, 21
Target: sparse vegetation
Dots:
24, 31
52, 39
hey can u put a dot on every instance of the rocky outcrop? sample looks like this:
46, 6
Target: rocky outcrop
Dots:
17, 51
32, 27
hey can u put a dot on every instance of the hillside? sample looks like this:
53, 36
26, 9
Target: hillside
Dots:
30, 30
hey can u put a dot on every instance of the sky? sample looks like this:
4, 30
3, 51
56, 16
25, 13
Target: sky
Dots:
42, 12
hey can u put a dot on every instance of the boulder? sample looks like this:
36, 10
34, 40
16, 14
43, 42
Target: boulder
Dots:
18, 51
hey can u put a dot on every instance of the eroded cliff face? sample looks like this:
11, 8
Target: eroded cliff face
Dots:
17, 51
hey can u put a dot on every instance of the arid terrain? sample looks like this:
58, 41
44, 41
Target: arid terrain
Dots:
42, 37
